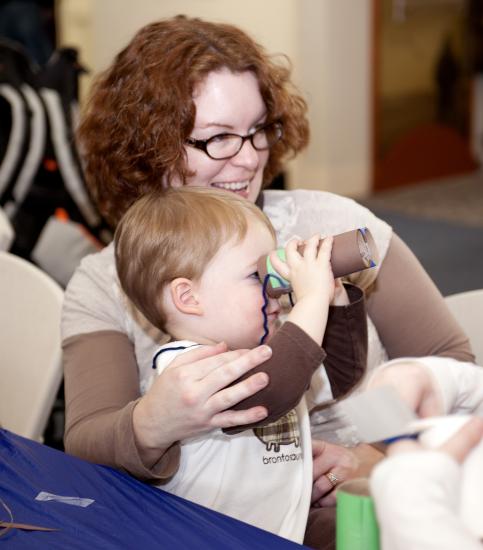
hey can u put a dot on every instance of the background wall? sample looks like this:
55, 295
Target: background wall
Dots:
410, 47
328, 42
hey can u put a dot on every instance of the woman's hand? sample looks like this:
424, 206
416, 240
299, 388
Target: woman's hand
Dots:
336, 460
414, 384
341, 462
190, 397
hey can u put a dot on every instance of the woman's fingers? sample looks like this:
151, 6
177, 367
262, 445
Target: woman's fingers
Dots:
209, 392
202, 361
226, 398
198, 354
228, 419
328, 501
190, 405
332, 465
232, 368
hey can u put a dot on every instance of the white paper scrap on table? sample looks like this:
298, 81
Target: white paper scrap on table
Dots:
73, 501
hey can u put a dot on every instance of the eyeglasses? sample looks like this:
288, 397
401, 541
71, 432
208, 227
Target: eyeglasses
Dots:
226, 146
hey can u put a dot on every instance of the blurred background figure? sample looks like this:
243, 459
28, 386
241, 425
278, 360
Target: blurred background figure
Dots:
447, 73
31, 23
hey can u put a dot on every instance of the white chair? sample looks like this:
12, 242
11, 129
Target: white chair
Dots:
6, 231
467, 307
30, 352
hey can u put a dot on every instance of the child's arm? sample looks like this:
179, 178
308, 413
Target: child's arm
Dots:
342, 330
343, 354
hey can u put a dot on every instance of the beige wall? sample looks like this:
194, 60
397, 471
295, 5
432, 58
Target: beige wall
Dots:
334, 39
327, 40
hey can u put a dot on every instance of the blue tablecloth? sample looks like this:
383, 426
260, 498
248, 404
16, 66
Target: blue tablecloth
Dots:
125, 513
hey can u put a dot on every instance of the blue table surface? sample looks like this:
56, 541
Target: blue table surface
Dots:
125, 513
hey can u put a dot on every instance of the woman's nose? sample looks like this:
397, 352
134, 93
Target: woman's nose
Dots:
247, 156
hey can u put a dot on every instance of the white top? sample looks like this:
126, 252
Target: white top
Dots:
262, 476
417, 494
94, 300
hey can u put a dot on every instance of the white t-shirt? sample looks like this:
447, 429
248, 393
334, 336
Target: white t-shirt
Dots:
262, 476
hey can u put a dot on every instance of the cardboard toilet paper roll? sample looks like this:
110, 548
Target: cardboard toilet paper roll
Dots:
356, 523
351, 252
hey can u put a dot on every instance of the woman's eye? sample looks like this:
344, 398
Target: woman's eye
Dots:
220, 138
255, 276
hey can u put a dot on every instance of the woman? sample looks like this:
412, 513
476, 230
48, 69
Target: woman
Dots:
194, 103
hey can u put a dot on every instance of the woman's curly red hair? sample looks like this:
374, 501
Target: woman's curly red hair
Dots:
141, 110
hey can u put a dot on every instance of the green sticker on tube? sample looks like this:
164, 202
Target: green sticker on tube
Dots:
278, 281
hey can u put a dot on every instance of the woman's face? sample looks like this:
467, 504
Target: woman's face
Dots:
228, 102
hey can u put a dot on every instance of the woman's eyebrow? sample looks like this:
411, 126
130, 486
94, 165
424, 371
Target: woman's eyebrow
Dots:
213, 124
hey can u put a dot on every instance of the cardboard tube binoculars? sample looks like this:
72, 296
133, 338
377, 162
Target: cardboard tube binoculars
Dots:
351, 252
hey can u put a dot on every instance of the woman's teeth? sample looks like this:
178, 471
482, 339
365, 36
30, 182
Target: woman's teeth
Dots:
238, 186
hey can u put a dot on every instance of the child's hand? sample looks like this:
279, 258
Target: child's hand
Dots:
310, 275
309, 272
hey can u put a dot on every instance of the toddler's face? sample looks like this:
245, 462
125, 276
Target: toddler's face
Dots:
231, 293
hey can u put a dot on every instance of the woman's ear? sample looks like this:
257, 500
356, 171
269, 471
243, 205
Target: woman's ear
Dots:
184, 296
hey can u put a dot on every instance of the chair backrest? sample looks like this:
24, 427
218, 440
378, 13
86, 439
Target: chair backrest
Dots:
467, 307
30, 352
6, 231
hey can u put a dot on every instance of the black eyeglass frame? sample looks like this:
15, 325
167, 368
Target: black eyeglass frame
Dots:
202, 144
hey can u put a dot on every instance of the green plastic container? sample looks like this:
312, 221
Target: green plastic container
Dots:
356, 523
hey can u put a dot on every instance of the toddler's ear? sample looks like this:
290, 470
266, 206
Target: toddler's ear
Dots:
184, 297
